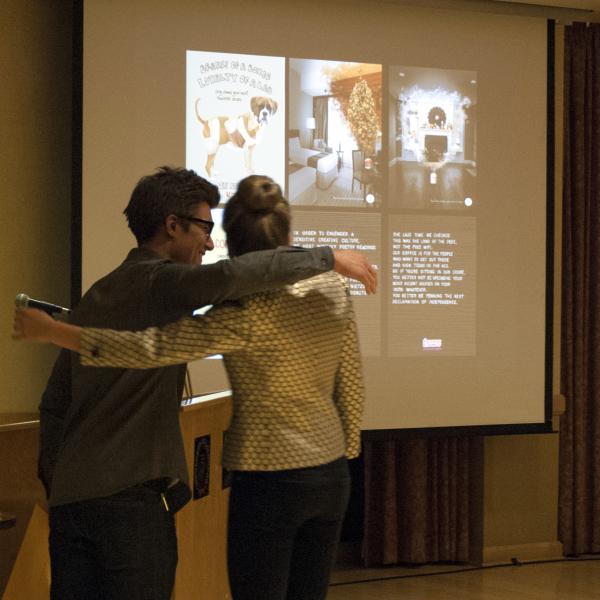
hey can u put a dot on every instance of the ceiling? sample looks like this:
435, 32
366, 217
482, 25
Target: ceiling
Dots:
563, 11
571, 4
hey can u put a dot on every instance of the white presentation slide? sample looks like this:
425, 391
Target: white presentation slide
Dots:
342, 230
433, 285
433, 159
335, 134
235, 117
336, 160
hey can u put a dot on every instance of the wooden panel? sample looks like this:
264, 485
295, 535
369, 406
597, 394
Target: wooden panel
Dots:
30, 577
523, 553
18, 420
201, 525
20, 490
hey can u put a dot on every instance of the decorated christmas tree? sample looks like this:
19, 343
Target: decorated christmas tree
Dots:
362, 118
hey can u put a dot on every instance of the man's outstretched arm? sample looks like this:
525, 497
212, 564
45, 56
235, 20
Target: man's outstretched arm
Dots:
191, 287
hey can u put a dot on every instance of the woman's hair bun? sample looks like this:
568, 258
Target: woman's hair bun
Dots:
256, 217
259, 194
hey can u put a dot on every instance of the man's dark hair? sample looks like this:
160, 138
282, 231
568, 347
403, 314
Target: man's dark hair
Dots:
169, 191
256, 217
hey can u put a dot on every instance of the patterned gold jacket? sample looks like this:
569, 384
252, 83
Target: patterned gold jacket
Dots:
293, 362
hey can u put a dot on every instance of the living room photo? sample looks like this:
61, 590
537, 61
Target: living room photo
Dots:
433, 130
334, 137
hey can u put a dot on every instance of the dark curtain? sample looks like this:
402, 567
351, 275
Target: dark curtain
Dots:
321, 113
579, 487
418, 500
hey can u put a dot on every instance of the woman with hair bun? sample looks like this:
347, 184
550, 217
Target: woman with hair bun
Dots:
293, 361
256, 217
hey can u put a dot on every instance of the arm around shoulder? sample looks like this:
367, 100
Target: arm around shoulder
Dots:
190, 287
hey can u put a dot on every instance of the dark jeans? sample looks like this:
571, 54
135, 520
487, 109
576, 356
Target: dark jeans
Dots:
122, 547
283, 532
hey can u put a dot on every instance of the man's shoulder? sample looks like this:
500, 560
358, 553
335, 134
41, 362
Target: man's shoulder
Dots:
123, 294
138, 259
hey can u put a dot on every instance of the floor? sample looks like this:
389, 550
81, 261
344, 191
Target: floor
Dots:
568, 579
411, 187
339, 193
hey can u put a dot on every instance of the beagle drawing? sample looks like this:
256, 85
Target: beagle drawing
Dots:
244, 131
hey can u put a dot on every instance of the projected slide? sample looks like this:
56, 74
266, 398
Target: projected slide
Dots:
334, 137
342, 230
219, 252
433, 286
338, 170
348, 189
235, 117
432, 158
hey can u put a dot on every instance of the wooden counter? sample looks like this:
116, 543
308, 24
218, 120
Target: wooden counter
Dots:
201, 524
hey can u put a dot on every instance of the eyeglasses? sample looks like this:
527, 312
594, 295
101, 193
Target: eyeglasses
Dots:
206, 226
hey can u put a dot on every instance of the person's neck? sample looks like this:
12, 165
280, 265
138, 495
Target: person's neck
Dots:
158, 246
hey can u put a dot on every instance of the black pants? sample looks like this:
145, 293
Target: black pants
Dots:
122, 547
284, 528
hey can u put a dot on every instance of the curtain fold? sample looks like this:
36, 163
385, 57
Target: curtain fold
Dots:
321, 114
417, 507
579, 474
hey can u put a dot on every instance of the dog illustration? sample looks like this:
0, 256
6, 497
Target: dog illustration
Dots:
244, 131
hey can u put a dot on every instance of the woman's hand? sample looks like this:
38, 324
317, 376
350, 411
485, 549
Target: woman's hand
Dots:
33, 325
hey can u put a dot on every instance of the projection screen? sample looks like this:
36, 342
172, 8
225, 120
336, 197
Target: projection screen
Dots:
417, 136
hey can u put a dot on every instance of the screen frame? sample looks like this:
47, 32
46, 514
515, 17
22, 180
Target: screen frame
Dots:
368, 434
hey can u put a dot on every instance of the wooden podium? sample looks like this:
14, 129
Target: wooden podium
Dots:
202, 523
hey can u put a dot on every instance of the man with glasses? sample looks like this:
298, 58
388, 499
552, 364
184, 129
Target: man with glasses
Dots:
111, 453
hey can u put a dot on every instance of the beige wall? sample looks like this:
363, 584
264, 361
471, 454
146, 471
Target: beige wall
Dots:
521, 472
35, 210
521, 487
35, 158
